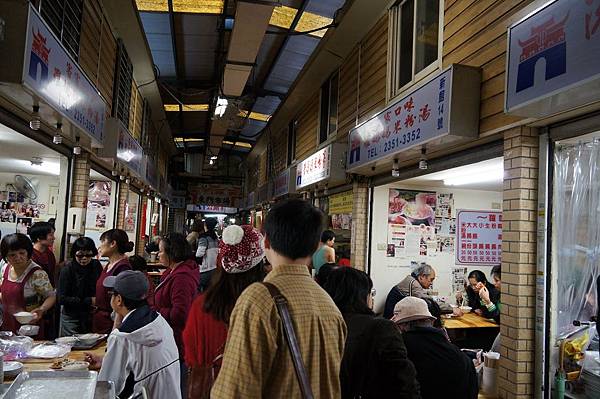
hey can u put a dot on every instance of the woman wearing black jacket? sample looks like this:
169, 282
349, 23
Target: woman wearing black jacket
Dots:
375, 364
483, 297
77, 288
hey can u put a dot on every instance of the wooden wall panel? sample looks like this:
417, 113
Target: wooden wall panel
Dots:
89, 46
139, 115
97, 49
373, 70
132, 103
475, 34
279, 146
348, 87
306, 131
262, 169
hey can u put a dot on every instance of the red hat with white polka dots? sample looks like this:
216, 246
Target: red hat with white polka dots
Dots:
241, 248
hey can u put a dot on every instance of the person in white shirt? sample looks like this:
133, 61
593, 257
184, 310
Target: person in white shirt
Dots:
207, 252
141, 352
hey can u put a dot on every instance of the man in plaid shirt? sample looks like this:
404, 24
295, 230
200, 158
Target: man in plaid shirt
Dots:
257, 361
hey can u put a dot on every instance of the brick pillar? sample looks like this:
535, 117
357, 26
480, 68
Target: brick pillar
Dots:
360, 216
81, 181
139, 245
123, 197
516, 373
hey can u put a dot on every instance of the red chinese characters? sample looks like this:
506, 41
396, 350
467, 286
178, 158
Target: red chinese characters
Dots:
424, 113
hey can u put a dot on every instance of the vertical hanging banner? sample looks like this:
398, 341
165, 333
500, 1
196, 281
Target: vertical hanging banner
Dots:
479, 237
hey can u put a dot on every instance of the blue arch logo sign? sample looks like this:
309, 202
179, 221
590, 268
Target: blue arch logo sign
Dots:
547, 42
552, 52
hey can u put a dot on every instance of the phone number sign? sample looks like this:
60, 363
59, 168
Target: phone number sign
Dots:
413, 120
479, 237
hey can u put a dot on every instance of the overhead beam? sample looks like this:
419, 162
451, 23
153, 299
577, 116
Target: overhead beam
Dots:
251, 23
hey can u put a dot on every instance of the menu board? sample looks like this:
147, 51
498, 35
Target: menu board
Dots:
479, 237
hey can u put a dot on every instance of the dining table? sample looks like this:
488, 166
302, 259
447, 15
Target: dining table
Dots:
469, 320
471, 331
103, 388
31, 364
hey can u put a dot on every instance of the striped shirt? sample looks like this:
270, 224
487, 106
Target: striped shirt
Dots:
257, 361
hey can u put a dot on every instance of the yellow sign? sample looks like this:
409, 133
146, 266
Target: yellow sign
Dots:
340, 203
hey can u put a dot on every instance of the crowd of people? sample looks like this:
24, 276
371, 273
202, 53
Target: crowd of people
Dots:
219, 323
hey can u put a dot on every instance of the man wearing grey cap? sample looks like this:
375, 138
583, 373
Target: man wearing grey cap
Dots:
142, 351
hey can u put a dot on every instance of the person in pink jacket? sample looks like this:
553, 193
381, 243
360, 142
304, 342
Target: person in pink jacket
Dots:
178, 286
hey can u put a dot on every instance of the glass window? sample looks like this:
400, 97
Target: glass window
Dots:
414, 33
426, 40
333, 103
329, 108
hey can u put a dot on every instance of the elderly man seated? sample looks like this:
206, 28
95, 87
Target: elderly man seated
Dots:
416, 284
433, 356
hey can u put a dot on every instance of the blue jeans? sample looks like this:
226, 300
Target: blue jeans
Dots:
205, 280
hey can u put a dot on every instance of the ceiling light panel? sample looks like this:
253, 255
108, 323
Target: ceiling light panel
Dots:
309, 21
152, 5
198, 6
195, 107
283, 17
186, 107
257, 116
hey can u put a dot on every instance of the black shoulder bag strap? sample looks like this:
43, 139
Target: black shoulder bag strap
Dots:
290, 336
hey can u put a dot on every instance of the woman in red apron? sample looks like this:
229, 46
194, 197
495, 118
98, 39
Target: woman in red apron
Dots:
24, 285
114, 244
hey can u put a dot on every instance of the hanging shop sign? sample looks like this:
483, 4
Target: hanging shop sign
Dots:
553, 62
479, 237
341, 203
211, 209
325, 165
447, 107
284, 183
314, 168
130, 151
264, 193
250, 203
121, 146
151, 172
53, 75
214, 194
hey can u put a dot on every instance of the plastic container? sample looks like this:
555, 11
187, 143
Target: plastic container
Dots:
489, 384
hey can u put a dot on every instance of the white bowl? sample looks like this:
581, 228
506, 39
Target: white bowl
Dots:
88, 339
12, 369
466, 309
24, 317
66, 340
29, 330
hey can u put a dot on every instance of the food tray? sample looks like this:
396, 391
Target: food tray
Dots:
53, 384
